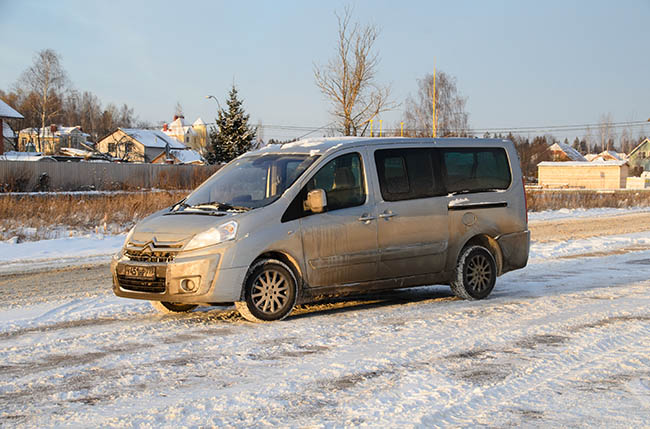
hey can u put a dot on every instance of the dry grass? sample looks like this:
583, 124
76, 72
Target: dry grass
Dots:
39, 216
31, 217
542, 199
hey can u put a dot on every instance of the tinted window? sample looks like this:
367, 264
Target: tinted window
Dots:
406, 173
342, 181
476, 170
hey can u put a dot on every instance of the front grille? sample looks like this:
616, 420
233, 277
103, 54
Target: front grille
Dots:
152, 251
147, 255
155, 285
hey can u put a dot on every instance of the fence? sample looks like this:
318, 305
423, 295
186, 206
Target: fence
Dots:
25, 176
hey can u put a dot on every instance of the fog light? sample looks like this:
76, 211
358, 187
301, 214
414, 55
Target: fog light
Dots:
188, 285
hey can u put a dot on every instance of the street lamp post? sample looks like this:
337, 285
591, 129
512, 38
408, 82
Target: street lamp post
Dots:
215, 99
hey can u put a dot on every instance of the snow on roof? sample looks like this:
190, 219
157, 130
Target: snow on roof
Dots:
187, 156
636, 149
69, 130
60, 130
179, 127
21, 156
153, 138
6, 111
75, 152
7, 132
573, 154
199, 121
583, 163
610, 153
591, 156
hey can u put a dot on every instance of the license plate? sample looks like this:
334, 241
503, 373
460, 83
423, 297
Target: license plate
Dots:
138, 271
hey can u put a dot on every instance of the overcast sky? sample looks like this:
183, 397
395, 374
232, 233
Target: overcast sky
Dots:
520, 63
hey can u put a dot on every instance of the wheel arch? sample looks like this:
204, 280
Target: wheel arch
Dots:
489, 243
283, 257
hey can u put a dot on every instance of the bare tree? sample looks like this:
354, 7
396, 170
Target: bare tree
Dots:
451, 117
124, 149
588, 138
606, 132
46, 78
348, 79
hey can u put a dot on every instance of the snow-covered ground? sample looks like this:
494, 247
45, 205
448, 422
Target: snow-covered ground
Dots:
87, 247
583, 213
29, 255
562, 343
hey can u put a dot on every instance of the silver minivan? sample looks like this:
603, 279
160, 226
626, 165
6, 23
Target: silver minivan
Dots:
292, 223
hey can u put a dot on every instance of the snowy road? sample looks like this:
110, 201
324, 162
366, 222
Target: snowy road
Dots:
565, 342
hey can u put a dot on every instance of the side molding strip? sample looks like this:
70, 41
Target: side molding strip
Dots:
477, 206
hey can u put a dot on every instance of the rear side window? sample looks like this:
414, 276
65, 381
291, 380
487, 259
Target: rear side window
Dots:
476, 170
406, 174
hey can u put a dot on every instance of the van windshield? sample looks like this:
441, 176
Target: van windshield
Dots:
249, 182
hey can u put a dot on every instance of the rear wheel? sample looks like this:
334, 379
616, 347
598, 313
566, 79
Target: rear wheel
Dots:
270, 292
172, 307
475, 274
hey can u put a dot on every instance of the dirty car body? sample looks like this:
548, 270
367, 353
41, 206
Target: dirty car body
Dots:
293, 223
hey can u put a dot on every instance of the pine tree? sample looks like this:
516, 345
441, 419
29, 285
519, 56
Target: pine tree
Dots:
232, 136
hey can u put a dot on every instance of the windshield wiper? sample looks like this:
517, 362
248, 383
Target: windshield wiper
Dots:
216, 205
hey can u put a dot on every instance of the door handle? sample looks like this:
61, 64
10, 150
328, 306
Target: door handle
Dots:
387, 215
365, 218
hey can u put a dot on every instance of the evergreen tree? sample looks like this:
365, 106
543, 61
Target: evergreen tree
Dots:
232, 136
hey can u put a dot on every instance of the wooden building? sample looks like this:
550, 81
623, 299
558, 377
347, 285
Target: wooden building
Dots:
583, 175
639, 158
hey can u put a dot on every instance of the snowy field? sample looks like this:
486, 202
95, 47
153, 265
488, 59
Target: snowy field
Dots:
562, 343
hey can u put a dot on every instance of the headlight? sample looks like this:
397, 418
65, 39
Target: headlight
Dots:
216, 235
128, 237
126, 241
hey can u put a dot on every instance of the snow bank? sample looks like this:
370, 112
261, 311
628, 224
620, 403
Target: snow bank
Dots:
62, 251
583, 213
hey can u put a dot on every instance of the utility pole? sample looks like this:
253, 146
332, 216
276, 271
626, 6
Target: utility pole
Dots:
434, 103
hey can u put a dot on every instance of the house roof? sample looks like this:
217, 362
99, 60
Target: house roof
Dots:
613, 154
6, 111
75, 152
187, 156
570, 152
153, 138
178, 127
636, 149
60, 130
199, 121
583, 163
21, 156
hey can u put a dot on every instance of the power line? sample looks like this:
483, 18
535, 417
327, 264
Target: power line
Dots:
473, 131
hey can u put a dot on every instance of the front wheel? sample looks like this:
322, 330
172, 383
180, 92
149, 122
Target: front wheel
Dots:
475, 274
172, 307
270, 292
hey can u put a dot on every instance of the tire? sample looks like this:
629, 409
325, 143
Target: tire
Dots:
270, 292
475, 273
172, 307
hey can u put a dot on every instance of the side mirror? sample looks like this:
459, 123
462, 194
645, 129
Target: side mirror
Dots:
316, 201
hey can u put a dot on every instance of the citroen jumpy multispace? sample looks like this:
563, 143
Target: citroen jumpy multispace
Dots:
290, 224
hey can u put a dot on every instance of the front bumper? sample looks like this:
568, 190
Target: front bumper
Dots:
212, 282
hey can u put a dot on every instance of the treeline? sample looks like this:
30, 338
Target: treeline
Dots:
534, 150
44, 95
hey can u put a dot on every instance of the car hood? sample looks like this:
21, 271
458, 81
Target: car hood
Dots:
165, 227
